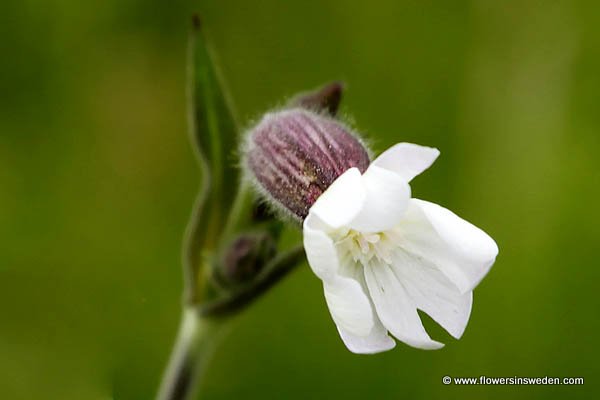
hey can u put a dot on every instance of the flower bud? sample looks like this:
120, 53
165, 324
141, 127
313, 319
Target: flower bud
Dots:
295, 155
326, 98
246, 256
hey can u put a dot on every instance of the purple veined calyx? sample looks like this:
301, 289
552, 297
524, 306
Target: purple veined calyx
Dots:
295, 155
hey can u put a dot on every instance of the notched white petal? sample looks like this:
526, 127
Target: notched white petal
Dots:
349, 305
463, 252
376, 342
387, 196
432, 292
395, 309
340, 203
407, 159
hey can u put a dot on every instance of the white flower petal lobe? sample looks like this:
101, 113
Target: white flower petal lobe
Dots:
432, 292
376, 342
463, 252
349, 305
342, 201
395, 309
387, 196
406, 159
320, 249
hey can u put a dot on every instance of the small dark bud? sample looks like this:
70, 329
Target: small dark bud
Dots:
246, 256
327, 99
196, 21
295, 155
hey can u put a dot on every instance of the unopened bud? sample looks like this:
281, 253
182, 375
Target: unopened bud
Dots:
326, 98
295, 155
246, 256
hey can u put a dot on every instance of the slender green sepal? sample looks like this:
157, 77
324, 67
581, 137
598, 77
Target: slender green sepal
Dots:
214, 134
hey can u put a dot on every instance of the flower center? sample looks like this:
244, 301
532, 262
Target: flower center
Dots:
366, 248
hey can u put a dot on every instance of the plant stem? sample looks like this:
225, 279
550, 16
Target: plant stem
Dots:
203, 326
195, 343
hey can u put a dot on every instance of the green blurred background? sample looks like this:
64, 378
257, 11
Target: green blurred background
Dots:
97, 180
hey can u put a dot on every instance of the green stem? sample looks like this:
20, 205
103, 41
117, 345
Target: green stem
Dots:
197, 339
202, 327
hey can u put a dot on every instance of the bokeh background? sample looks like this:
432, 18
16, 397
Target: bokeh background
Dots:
97, 180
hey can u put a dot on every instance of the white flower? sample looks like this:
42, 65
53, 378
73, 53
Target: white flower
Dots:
382, 255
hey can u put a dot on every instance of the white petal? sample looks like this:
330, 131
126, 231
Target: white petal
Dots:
378, 339
395, 309
376, 342
432, 292
406, 159
462, 252
387, 196
349, 305
340, 203
320, 249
